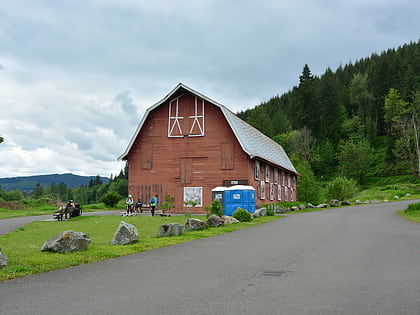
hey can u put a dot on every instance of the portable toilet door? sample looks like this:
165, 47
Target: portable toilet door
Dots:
239, 196
218, 194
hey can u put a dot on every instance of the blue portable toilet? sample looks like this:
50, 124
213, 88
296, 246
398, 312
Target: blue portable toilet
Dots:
239, 196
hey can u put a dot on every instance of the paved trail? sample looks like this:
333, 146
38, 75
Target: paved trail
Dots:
352, 260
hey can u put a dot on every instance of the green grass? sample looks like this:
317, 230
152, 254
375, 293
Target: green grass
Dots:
23, 246
412, 213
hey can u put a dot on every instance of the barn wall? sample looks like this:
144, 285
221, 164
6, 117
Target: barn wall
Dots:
164, 165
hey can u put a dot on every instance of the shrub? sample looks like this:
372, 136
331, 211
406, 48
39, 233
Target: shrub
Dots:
414, 207
341, 188
242, 215
111, 199
270, 212
215, 208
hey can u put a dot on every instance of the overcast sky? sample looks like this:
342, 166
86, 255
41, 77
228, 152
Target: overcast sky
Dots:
76, 76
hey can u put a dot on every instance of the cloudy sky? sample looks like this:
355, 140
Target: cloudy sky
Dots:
76, 76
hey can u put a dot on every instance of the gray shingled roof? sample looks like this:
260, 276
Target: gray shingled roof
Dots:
252, 141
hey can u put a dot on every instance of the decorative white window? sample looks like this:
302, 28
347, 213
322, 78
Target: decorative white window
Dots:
197, 126
185, 118
174, 125
282, 178
286, 194
279, 188
257, 169
292, 194
262, 189
288, 180
276, 176
271, 191
267, 173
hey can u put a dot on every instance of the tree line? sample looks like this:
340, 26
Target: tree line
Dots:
359, 121
93, 192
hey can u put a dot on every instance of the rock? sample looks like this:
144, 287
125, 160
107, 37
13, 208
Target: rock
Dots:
358, 202
310, 205
396, 197
294, 208
334, 203
256, 214
302, 207
67, 241
345, 203
214, 221
322, 205
3, 260
263, 211
407, 194
172, 229
125, 234
194, 224
228, 219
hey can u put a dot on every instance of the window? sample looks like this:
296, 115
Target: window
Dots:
193, 196
271, 191
186, 117
257, 169
282, 178
279, 188
262, 189
276, 176
267, 173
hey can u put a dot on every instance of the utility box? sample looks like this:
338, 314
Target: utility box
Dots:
239, 196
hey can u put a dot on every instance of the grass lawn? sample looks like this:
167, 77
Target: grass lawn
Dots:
412, 213
23, 246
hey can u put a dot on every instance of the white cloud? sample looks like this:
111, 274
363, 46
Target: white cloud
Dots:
76, 77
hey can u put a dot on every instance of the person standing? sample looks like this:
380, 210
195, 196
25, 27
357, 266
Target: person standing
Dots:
129, 202
153, 204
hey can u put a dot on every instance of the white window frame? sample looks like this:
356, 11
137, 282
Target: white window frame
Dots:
257, 169
267, 173
276, 176
262, 190
271, 191
173, 121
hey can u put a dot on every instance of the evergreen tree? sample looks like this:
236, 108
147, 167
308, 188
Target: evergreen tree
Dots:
307, 111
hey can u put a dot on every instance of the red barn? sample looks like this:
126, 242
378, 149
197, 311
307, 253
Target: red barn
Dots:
187, 144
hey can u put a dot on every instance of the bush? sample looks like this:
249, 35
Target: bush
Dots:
270, 212
242, 215
215, 208
341, 188
414, 207
111, 199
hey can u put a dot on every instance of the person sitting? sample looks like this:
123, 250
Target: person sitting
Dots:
138, 206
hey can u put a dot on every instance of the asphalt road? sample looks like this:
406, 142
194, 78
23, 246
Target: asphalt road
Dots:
352, 260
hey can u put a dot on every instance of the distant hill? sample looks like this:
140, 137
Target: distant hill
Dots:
27, 183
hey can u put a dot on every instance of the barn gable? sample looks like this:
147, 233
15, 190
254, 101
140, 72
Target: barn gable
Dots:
252, 141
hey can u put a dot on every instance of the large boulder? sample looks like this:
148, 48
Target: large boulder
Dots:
214, 221
194, 224
322, 205
172, 229
67, 241
3, 260
125, 234
228, 219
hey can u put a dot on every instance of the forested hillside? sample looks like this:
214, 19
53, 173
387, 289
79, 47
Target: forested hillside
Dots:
359, 121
